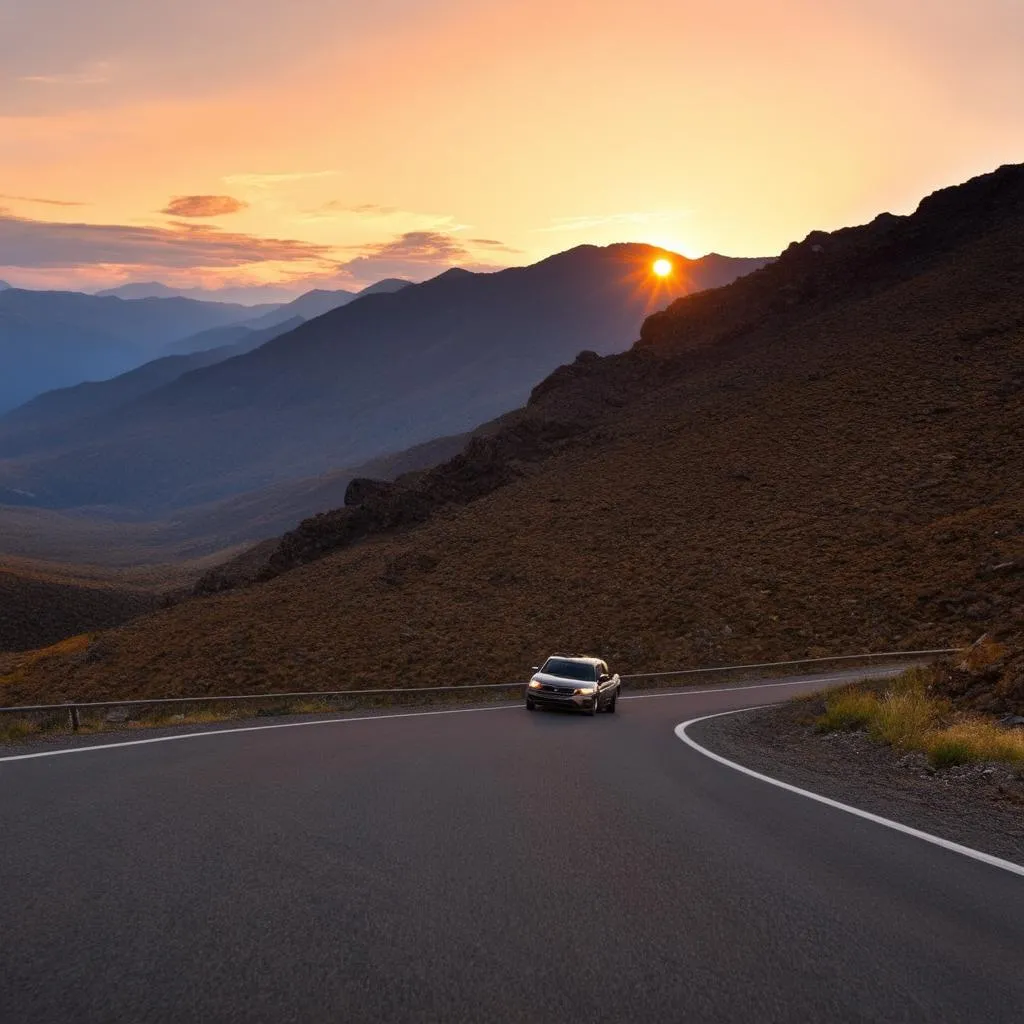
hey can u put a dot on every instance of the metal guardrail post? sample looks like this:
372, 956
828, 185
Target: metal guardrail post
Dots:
73, 717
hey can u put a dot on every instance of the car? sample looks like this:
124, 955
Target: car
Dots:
577, 683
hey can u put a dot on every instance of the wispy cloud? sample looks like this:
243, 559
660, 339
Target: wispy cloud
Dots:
32, 244
493, 244
46, 202
587, 221
415, 254
365, 209
270, 180
203, 206
97, 73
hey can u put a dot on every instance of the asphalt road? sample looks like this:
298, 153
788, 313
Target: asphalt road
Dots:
479, 866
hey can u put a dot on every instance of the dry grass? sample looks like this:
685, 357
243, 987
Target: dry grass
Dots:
975, 740
908, 717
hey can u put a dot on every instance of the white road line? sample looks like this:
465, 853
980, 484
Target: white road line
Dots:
242, 728
946, 844
362, 718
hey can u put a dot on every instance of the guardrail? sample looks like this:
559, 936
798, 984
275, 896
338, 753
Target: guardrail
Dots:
73, 709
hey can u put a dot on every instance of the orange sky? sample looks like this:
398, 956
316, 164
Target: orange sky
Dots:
350, 141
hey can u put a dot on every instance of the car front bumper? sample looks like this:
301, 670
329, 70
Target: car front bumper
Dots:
572, 701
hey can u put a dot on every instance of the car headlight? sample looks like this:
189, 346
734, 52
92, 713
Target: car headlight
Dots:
586, 691
534, 684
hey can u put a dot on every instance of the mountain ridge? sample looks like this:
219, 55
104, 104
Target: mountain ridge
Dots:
402, 367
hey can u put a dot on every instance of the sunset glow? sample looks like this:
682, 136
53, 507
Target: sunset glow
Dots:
333, 144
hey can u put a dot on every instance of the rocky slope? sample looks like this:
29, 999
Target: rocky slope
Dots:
824, 456
990, 677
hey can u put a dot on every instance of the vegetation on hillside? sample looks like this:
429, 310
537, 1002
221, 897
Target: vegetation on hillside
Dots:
826, 456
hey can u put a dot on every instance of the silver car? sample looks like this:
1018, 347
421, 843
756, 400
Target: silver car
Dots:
583, 684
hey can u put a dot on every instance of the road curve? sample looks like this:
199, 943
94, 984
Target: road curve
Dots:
491, 866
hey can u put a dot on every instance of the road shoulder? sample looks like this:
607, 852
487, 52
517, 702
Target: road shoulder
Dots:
981, 806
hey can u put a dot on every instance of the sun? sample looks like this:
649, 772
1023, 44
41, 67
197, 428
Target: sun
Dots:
662, 267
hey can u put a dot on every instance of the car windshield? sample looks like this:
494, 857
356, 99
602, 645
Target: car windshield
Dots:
570, 669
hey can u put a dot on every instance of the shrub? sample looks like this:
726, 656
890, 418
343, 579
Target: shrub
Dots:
903, 718
974, 740
847, 710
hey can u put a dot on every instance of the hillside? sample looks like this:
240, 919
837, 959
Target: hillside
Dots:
177, 550
825, 456
380, 374
56, 339
40, 608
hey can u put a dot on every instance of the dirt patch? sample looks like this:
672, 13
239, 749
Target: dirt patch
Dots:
979, 805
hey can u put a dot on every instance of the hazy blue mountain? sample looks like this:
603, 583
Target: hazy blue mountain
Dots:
52, 339
4, 286
315, 303
48, 415
142, 290
379, 374
308, 305
257, 297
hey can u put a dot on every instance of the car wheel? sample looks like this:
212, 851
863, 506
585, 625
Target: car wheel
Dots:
530, 706
594, 708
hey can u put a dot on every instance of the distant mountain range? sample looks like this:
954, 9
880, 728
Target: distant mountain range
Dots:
319, 301
47, 414
246, 295
52, 339
379, 374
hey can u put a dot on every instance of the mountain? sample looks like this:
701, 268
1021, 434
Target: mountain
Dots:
308, 305
55, 339
823, 457
256, 297
385, 286
31, 424
315, 303
380, 374
142, 290
4, 286
214, 338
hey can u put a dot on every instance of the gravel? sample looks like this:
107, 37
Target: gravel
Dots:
978, 805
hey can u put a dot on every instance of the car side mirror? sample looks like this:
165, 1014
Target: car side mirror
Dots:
604, 679
536, 668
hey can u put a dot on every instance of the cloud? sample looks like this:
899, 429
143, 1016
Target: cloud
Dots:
582, 223
365, 209
34, 244
97, 73
426, 246
203, 206
35, 199
270, 180
493, 244
414, 254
